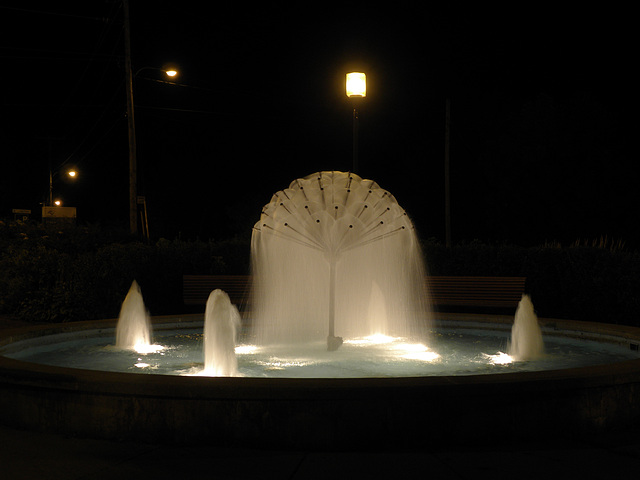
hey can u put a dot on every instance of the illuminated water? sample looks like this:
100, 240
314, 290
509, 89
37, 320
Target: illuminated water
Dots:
221, 323
526, 337
332, 255
335, 256
465, 352
134, 327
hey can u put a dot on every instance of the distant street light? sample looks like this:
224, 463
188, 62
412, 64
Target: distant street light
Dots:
169, 72
356, 88
72, 173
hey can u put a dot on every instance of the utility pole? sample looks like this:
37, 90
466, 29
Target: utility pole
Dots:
447, 189
133, 164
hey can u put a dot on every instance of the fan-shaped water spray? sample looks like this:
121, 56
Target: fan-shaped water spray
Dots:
326, 248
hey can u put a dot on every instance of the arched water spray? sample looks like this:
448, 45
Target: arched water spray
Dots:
321, 249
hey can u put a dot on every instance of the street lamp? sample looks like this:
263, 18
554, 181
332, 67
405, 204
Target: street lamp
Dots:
53, 211
356, 88
356, 84
133, 162
71, 173
169, 72
133, 159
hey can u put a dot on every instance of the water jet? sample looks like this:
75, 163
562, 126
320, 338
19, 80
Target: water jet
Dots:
526, 336
221, 323
133, 330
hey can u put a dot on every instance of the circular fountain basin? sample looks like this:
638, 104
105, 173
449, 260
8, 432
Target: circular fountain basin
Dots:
391, 407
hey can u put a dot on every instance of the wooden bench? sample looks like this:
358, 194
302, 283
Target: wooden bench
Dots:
497, 292
450, 291
196, 288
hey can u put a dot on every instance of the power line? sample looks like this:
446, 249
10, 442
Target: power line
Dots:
60, 55
57, 14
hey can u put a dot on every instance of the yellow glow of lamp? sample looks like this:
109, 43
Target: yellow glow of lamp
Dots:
72, 173
356, 84
171, 73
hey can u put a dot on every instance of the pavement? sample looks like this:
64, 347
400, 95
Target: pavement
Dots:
30, 455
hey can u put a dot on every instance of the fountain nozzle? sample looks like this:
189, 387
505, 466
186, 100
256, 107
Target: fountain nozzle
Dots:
333, 343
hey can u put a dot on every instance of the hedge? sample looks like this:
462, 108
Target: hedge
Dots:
83, 273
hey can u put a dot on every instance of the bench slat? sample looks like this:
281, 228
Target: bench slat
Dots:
197, 288
444, 290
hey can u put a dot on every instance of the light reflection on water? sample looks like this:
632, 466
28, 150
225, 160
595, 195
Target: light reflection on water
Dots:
448, 353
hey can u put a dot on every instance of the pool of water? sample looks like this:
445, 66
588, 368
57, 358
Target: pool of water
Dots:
450, 352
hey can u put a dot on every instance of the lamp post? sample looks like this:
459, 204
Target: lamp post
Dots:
50, 188
356, 88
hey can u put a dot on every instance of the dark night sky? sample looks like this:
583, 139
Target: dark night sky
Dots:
543, 112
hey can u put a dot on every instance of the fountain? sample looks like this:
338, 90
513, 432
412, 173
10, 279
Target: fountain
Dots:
324, 251
526, 336
336, 262
134, 329
221, 323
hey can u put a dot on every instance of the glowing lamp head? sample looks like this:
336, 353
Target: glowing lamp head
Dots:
72, 173
57, 203
171, 73
356, 84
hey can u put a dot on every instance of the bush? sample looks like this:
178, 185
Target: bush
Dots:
54, 275
578, 282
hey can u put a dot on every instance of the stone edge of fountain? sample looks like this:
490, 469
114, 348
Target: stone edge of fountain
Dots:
322, 412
